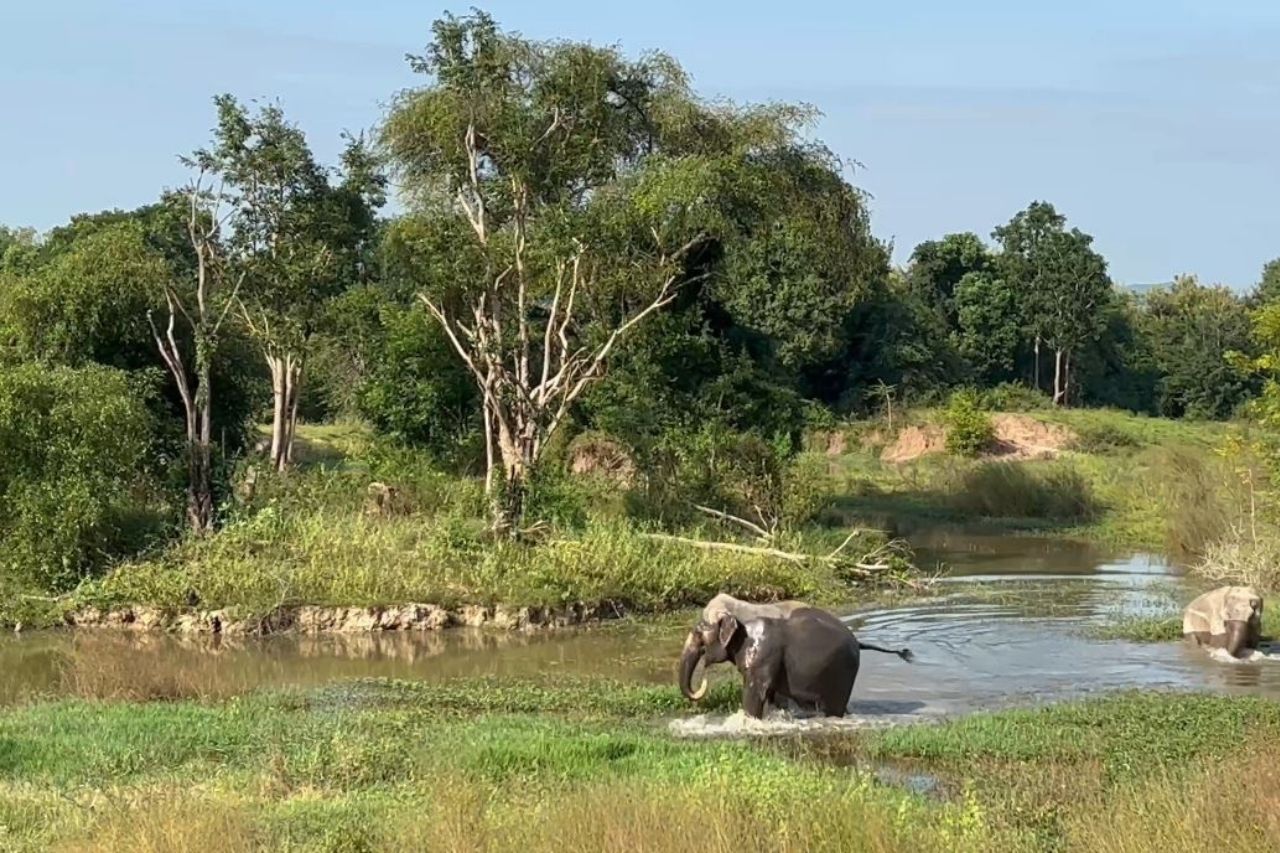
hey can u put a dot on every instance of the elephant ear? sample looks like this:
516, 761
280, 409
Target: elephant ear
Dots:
728, 626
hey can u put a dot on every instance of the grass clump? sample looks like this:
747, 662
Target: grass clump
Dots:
1049, 491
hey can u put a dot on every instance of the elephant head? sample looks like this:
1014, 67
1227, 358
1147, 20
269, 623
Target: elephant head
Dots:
1229, 617
709, 642
703, 643
1241, 619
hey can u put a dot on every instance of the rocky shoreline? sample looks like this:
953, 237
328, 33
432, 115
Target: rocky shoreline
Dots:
315, 619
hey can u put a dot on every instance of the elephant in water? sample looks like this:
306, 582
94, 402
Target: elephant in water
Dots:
1229, 617
798, 653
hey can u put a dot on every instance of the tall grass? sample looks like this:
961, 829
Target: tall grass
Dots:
1046, 491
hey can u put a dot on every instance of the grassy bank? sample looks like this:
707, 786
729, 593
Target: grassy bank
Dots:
310, 537
586, 766
1119, 479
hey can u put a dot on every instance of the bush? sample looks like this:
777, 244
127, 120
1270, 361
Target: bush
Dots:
1244, 557
1054, 492
72, 444
1014, 397
1103, 437
969, 428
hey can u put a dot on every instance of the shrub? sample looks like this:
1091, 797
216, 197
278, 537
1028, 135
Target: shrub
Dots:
1102, 438
1014, 397
969, 428
1244, 557
72, 443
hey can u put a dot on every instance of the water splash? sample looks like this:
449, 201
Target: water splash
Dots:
783, 722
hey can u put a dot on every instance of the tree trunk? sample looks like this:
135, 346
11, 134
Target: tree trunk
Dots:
200, 456
286, 388
1066, 379
278, 411
292, 395
1059, 389
1037, 350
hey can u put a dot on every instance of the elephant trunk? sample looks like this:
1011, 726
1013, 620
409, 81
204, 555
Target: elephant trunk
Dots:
1237, 639
689, 658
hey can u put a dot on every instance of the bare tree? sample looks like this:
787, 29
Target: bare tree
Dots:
198, 312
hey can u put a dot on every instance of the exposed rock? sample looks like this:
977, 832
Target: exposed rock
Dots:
315, 619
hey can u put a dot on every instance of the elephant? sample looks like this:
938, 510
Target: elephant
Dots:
743, 611
1229, 617
807, 656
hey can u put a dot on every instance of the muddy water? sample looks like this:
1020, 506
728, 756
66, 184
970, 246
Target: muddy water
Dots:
1009, 627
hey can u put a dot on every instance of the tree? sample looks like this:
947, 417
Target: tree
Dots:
1268, 289
203, 306
88, 303
296, 239
549, 222
1191, 329
989, 323
938, 266
1063, 284
72, 442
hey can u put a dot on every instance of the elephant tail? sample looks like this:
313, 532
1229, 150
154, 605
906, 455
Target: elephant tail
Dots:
905, 654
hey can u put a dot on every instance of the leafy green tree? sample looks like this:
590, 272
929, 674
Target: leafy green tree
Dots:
89, 302
1268, 289
989, 321
1192, 328
562, 194
938, 266
296, 240
1120, 370
72, 442
1063, 286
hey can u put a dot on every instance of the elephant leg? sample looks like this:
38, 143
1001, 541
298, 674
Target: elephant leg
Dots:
754, 698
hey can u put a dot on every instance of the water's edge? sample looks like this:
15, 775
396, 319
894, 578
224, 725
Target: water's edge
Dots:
315, 619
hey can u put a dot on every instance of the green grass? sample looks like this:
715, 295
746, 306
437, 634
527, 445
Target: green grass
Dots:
1127, 480
1166, 628
588, 765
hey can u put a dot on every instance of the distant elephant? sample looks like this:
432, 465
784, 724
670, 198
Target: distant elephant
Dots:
1229, 617
807, 656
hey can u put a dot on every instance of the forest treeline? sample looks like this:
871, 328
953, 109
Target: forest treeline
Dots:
587, 245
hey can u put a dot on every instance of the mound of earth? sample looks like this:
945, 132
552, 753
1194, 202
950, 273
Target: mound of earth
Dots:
1023, 437
914, 442
1017, 437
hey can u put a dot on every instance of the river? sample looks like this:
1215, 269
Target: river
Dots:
1010, 626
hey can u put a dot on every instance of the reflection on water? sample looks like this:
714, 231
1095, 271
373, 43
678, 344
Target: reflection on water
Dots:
1009, 627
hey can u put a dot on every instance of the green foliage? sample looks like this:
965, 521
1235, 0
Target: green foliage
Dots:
990, 324
415, 389
72, 443
1012, 397
939, 268
1192, 329
969, 427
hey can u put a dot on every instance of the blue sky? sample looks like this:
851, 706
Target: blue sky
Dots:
1155, 126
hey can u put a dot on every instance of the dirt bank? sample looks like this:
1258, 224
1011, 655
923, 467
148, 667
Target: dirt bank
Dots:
1017, 437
